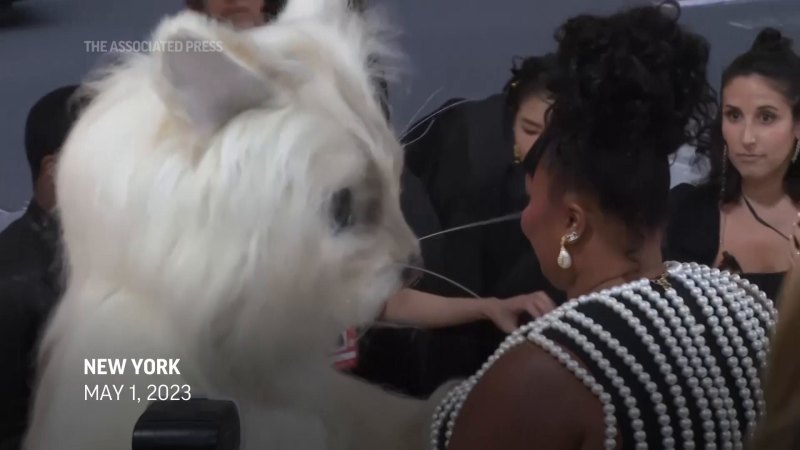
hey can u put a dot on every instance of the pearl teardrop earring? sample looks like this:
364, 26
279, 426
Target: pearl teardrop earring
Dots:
564, 258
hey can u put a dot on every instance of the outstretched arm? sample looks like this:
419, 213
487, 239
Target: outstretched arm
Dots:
420, 309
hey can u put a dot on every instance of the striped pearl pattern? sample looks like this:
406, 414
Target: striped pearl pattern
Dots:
675, 367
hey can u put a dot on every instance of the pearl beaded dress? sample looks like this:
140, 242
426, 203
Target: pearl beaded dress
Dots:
675, 363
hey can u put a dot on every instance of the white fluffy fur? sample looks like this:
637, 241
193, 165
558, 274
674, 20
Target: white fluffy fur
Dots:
195, 198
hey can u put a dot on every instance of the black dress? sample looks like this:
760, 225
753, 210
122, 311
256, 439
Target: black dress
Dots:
693, 233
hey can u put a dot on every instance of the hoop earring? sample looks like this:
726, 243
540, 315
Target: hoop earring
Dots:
564, 258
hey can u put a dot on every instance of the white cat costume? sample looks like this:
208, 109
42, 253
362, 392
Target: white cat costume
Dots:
235, 208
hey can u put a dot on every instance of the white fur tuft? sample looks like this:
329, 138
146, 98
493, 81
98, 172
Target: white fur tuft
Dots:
191, 78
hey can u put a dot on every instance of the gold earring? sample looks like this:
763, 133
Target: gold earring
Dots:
564, 258
517, 154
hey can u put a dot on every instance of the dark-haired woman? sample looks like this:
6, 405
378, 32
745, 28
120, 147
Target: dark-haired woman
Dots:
741, 219
645, 355
467, 156
528, 98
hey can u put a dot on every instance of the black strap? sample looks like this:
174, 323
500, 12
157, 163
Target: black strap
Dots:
762, 221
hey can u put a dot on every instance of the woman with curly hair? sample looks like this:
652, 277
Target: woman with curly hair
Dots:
646, 354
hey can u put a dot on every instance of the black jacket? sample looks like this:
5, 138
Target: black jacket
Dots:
463, 154
24, 308
30, 271
29, 249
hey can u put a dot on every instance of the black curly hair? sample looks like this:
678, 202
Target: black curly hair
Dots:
529, 76
771, 56
631, 89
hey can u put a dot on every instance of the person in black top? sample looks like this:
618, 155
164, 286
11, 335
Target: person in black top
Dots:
28, 247
30, 260
24, 307
467, 155
741, 219
455, 175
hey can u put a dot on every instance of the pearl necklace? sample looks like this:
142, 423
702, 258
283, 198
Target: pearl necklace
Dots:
729, 313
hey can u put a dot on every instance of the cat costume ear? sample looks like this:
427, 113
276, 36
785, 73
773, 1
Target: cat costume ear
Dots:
194, 55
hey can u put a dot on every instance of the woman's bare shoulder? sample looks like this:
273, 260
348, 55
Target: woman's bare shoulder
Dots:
528, 397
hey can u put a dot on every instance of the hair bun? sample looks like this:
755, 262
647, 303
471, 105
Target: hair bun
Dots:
630, 89
631, 82
771, 40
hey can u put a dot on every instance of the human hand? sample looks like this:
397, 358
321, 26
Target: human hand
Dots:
505, 313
